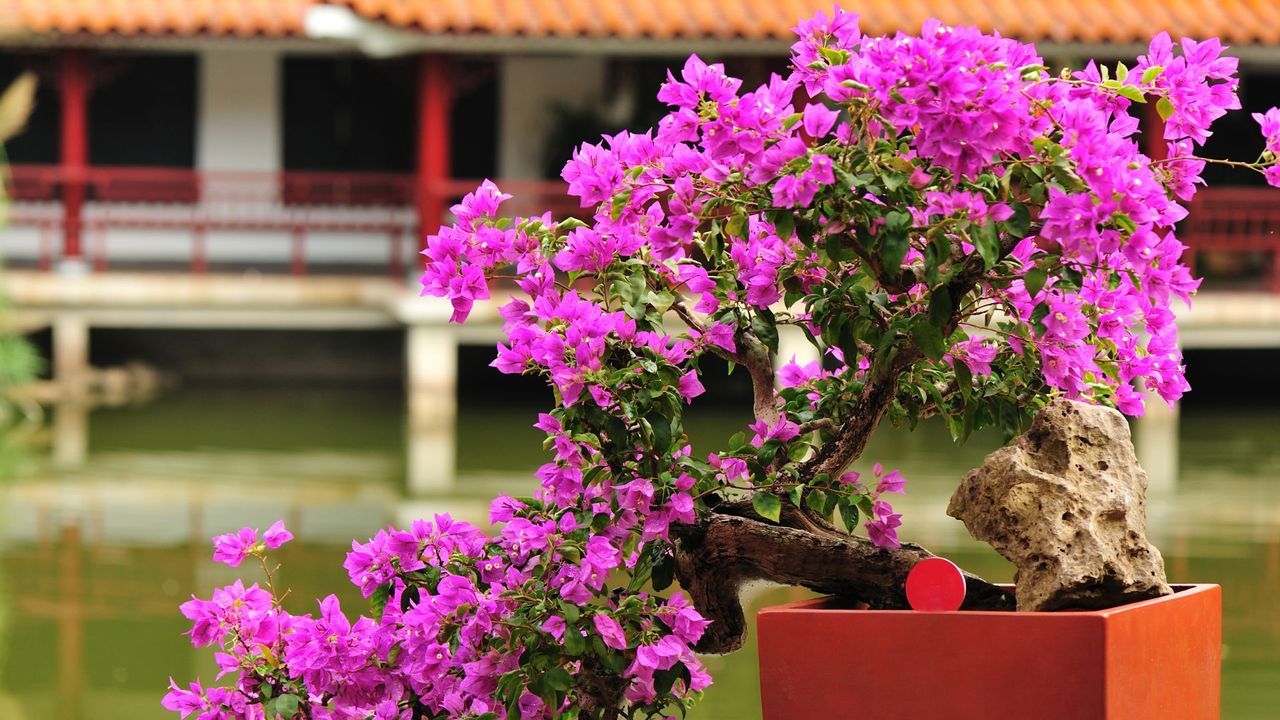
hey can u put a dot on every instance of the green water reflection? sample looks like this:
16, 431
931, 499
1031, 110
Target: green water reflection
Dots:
105, 532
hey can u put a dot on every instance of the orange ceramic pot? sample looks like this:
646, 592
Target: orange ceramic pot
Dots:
1156, 659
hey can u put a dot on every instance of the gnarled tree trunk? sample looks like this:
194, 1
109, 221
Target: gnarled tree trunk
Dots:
732, 545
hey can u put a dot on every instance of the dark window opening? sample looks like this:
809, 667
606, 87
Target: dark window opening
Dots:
1236, 136
40, 142
142, 110
474, 121
361, 114
631, 101
349, 113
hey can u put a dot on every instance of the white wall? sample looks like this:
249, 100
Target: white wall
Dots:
238, 118
530, 86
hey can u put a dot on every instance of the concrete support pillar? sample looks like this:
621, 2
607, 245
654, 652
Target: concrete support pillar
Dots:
431, 358
71, 373
70, 434
1155, 439
70, 349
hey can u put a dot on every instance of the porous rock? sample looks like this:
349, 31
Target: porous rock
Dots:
1065, 502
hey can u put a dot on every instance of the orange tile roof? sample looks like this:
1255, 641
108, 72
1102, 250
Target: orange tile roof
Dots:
1241, 22
1086, 21
156, 17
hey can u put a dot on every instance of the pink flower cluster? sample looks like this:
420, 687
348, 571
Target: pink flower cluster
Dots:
451, 627
232, 548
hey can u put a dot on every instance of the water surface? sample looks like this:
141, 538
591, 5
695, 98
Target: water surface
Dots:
104, 530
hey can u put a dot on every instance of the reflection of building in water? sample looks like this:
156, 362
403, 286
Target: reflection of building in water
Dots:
95, 559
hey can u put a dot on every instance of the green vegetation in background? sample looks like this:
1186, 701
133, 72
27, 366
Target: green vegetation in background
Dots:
19, 362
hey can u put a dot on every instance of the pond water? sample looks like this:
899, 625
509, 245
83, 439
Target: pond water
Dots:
104, 526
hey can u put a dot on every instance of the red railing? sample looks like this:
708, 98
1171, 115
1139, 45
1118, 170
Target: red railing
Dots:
296, 203
382, 204
1236, 220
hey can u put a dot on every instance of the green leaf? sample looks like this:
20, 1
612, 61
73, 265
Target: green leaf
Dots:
816, 500
964, 379
847, 341
866, 505
1132, 92
1122, 71
796, 495
1038, 314
1152, 73
378, 600
409, 597
643, 570
661, 427
765, 326
940, 307
619, 203
570, 611
894, 239
893, 248
1034, 280
893, 181
988, 244
1165, 108
1019, 223
737, 226
558, 678
574, 643
784, 222
836, 247
1071, 278
287, 705
767, 506
570, 224
664, 571
848, 515
929, 339
768, 452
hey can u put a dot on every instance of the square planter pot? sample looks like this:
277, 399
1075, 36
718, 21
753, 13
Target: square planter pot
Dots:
1153, 659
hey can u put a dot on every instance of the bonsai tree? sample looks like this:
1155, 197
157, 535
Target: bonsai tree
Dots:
958, 231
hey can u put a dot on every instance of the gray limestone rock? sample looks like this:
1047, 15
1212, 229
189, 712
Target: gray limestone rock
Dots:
1066, 504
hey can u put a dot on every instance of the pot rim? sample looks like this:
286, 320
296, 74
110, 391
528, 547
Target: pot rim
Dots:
824, 605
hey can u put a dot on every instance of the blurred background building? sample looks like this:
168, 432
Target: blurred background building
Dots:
215, 214
295, 136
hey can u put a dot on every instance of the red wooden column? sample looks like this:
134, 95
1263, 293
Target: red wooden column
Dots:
435, 103
73, 88
1153, 142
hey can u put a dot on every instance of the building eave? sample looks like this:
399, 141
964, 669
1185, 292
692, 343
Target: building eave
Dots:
396, 41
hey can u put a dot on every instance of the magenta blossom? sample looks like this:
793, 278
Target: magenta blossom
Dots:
232, 548
276, 535
883, 528
888, 482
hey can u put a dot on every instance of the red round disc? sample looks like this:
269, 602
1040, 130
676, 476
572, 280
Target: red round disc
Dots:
935, 584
